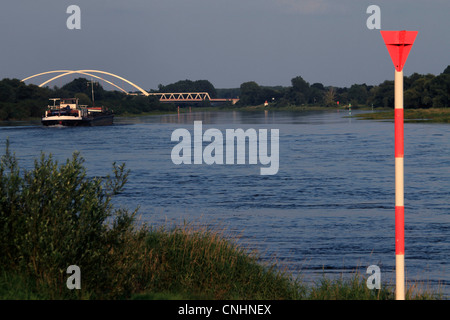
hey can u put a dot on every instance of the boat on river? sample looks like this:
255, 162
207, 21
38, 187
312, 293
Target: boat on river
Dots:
67, 112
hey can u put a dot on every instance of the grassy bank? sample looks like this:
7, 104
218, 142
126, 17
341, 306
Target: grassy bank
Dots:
411, 115
54, 216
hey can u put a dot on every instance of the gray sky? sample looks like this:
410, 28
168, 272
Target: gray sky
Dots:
227, 42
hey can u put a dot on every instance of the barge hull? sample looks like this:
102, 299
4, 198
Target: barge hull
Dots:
86, 122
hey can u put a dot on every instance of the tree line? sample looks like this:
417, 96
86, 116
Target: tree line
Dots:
189, 86
21, 101
420, 91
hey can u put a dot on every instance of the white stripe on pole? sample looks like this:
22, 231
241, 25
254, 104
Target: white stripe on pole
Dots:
399, 188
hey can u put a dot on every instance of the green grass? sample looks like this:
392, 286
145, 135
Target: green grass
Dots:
15, 286
432, 115
197, 263
54, 216
203, 263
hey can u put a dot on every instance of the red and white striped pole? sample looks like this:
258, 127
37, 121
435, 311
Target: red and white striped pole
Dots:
399, 44
399, 189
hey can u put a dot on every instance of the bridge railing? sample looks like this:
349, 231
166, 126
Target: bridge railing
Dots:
181, 96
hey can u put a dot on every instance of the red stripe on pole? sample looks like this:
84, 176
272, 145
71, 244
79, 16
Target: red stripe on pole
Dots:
399, 230
399, 135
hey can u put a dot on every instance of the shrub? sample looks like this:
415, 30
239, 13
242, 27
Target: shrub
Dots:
54, 216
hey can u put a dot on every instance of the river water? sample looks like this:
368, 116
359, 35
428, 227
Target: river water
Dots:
329, 209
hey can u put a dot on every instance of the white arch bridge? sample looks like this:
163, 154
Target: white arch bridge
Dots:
163, 97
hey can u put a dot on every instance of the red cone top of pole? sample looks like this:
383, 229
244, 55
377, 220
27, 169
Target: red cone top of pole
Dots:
399, 44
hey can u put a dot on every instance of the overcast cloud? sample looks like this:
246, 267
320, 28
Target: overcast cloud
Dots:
227, 42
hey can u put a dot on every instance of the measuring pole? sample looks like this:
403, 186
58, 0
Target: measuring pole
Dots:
399, 44
399, 188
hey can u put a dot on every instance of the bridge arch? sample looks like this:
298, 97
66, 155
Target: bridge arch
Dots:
86, 72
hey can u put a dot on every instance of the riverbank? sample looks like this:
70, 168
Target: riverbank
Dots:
193, 263
57, 217
432, 115
219, 108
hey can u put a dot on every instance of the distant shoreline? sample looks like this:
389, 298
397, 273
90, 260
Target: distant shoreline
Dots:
225, 108
270, 107
432, 115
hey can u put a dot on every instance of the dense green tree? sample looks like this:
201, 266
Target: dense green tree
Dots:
357, 94
383, 95
316, 93
19, 100
418, 95
269, 94
342, 96
299, 93
439, 88
300, 85
250, 92
82, 85
228, 93
190, 86
6, 92
83, 99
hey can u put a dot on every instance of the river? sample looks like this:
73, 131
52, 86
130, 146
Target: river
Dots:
328, 210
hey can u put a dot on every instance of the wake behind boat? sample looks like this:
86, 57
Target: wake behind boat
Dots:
67, 112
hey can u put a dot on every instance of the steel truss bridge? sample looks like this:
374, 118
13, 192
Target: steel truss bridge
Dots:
170, 97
